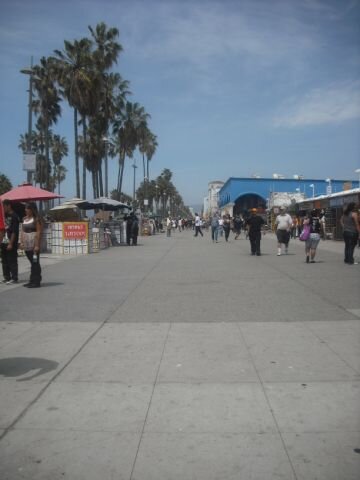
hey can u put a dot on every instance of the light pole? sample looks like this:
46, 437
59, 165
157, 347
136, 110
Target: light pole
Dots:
30, 72
328, 188
313, 189
358, 172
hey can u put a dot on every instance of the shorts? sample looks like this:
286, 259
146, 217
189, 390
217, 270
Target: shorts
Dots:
312, 242
283, 236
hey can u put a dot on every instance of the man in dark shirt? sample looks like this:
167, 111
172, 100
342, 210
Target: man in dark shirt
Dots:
254, 224
9, 245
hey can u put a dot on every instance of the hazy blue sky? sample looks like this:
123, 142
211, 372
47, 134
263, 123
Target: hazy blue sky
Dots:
234, 88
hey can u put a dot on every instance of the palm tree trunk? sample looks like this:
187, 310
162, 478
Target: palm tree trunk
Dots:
147, 168
121, 172
59, 186
84, 159
47, 159
77, 170
93, 184
143, 159
100, 181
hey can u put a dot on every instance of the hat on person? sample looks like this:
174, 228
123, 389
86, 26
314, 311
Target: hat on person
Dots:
253, 210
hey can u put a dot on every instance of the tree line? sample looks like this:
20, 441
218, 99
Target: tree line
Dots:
106, 124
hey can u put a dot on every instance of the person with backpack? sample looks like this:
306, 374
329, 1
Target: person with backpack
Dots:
312, 242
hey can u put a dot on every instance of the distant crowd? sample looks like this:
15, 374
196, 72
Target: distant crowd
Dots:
309, 229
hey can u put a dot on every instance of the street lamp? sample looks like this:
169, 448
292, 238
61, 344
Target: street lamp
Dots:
30, 72
358, 172
328, 188
313, 189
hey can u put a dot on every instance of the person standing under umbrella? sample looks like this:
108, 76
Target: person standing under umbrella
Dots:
30, 242
9, 245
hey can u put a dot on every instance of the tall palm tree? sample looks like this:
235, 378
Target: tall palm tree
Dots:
107, 48
112, 98
73, 71
125, 129
59, 176
46, 104
59, 150
97, 107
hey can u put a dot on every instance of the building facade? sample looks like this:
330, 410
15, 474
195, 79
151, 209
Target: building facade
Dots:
239, 195
211, 204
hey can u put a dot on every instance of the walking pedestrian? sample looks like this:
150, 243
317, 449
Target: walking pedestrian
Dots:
237, 226
215, 228
221, 230
198, 225
226, 226
168, 226
254, 224
9, 245
30, 242
351, 230
134, 229
311, 244
283, 225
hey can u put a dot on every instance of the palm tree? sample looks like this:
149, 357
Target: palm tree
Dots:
108, 49
46, 105
150, 150
112, 98
59, 176
5, 184
59, 150
73, 71
125, 129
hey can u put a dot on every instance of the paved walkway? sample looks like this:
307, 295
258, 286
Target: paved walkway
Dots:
183, 360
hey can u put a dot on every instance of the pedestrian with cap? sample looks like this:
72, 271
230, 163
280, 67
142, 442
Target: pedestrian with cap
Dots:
254, 224
283, 225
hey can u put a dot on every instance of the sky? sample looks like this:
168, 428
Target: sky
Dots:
234, 88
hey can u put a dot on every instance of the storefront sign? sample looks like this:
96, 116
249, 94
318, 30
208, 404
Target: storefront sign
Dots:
75, 230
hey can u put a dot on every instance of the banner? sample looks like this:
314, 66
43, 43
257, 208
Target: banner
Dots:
75, 230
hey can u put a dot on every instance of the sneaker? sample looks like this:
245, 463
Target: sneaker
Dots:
34, 285
278, 254
11, 282
4, 280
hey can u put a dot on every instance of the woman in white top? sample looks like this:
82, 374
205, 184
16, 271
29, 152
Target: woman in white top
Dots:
30, 242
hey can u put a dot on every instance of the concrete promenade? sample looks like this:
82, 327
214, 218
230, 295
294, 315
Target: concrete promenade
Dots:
181, 359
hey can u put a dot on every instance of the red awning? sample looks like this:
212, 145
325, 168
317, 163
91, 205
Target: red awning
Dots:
27, 192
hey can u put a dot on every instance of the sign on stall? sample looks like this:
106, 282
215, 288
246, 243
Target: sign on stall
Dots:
75, 230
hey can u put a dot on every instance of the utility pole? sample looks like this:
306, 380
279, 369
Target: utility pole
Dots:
29, 71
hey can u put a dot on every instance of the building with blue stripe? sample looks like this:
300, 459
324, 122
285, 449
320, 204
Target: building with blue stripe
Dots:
240, 194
